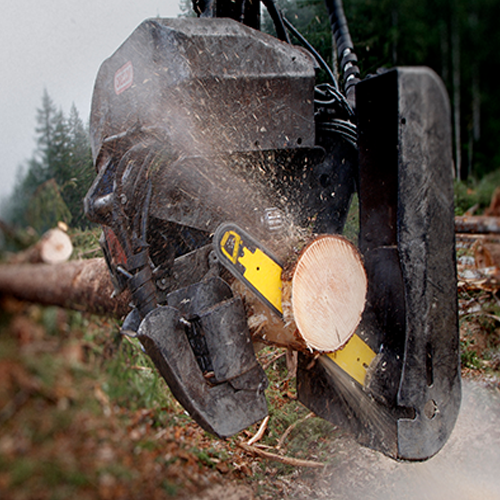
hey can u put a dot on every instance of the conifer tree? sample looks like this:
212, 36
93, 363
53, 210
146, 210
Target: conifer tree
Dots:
56, 178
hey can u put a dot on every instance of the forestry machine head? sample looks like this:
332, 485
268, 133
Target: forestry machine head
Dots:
225, 173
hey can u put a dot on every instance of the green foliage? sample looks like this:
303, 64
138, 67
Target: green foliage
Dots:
468, 356
458, 39
52, 185
465, 197
86, 242
133, 380
475, 193
46, 207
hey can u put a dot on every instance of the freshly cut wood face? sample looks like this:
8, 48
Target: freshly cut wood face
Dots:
55, 247
328, 292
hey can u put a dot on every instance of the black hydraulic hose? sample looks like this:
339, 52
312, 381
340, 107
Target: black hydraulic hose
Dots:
345, 48
311, 49
277, 19
326, 95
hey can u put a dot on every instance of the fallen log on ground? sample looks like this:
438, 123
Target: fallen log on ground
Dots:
323, 298
468, 239
81, 285
54, 247
478, 224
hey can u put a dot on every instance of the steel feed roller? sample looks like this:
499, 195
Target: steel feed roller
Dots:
225, 173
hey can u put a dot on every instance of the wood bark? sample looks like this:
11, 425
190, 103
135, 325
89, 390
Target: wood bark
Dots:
81, 285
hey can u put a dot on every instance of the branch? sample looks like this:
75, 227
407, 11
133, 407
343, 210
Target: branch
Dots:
294, 462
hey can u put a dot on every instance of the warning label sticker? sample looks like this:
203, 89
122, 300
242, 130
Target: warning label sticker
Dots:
124, 77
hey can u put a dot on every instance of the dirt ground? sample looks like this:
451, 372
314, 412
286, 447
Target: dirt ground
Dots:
83, 415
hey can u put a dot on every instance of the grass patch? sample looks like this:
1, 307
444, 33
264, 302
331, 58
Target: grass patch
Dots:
133, 380
351, 228
34, 474
468, 355
169, 488
86, 243
475, 192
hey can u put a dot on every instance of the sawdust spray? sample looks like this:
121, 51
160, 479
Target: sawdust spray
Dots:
467, 468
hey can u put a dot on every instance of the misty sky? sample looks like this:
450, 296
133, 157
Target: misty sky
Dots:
58, 45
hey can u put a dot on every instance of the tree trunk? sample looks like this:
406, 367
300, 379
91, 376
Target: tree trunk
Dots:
81, 285
479, 224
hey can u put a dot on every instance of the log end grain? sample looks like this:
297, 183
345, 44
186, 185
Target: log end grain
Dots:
55, 247
329, 287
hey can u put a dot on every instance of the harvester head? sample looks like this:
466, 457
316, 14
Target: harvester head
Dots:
213, 142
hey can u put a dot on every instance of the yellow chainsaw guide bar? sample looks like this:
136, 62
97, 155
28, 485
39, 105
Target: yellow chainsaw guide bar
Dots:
260, 271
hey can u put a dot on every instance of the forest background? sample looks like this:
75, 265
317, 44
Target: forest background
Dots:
457, 38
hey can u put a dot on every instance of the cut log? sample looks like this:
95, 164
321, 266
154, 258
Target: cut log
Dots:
81, 285
328, 293
53, 247
323, 298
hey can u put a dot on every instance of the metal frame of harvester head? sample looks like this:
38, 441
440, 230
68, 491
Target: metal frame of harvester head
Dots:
198, 123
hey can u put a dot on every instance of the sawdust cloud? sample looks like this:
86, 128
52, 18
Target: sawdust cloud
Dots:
467, 468
353, 396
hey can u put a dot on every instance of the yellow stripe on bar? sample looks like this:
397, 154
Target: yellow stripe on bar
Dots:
264, 274
354, 358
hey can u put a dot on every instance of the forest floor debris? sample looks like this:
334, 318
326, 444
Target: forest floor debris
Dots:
84, 414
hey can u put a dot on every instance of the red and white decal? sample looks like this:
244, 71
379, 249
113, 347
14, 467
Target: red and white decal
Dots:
124, 77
